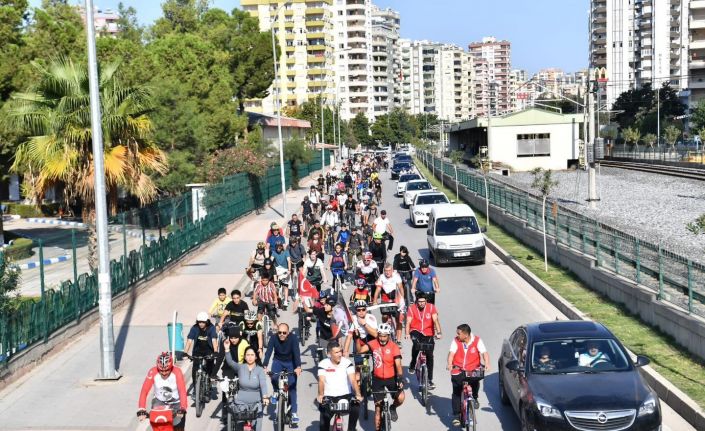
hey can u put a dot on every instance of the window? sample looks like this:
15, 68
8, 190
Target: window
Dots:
534, 145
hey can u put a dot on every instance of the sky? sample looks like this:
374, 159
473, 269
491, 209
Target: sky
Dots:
543, 33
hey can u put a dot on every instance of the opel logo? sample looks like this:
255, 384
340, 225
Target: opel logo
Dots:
602, 418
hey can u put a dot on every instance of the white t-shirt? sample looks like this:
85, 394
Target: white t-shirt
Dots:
371, 321
585, 360
337, 377
381, 224
480, 345
342, 199
329, 219
367, 269
389, 284
314, 196
308, 263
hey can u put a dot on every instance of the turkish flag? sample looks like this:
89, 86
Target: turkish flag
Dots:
306, 289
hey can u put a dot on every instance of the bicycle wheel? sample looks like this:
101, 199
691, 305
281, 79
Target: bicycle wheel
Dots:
231, 422
265, 329
198, 395
281, 415
364, 388
302, 328
386, 420
469, 423
424, 388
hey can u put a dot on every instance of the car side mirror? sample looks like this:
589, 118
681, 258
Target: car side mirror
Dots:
642, 360
483, 229
514, 365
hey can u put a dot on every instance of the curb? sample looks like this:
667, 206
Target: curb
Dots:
35, 264
133, 233
680, 402
56, 222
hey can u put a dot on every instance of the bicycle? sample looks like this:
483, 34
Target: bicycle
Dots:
390, 312
230, 387
422, 373
283, 280
242, 417
162, 418
267, 320
468, 417
406, 283
338, 409
386, 419
283, 416
365, 380
338, 276
201, 386
304, 328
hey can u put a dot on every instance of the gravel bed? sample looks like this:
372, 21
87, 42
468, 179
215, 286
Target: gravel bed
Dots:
653, 207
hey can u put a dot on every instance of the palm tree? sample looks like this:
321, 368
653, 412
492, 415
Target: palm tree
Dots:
55, 117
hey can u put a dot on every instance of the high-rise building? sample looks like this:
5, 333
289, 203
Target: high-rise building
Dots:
105, 22
492, 66
696, 47
385, 65
303, 31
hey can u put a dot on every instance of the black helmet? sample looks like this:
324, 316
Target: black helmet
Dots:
267, 261
423, 263
332, 300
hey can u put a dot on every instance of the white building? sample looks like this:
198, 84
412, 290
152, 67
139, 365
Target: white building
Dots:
492, 82
105, 21
385, 64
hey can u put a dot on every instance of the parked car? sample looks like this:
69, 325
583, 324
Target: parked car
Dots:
403, 179
453, 235
568, 375
398, 168
423, 203
413, 188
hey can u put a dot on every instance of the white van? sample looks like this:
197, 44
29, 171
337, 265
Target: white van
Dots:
454, 235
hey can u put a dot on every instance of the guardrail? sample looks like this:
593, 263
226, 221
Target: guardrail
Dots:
235, 197
675, 279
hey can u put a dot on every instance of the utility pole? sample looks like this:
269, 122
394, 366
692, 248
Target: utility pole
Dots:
590, 148
323, 138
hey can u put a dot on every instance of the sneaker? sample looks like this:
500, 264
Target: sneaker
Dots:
431, 385
456, 422
393, 413
294, 419
476, 404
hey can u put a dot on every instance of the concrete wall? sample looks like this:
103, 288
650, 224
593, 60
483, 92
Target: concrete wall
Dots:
271, 133
687, 330
564, 146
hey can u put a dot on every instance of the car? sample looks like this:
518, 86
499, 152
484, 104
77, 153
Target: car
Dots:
398, 168
403, 179
414, 187
423, 203
402, 157
553, 383
453, 235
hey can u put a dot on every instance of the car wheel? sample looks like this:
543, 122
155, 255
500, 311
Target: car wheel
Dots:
502, 392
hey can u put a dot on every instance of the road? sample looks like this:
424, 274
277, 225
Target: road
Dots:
492, 298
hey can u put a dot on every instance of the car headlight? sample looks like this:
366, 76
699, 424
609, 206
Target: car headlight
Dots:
418, 213
547, 410
479, 243
442, 245
649, 406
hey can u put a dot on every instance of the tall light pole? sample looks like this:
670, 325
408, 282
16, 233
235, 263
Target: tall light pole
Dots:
107, 338
323, 137
277, 102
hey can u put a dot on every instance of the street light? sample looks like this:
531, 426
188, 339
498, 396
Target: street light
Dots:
278, 108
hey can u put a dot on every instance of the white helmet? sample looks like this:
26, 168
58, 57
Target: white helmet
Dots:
202, 317
250, 315
384, 329
360, 303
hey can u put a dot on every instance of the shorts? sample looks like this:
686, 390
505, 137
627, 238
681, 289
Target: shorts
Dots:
265, 305
379, 385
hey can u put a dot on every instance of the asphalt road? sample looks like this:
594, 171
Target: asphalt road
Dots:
491, 298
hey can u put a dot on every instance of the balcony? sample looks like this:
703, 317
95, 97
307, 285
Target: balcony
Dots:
315, 11
314, 48
697, 82
696, 64
316, 59
697, 4
697, 44
315, 22
695, 24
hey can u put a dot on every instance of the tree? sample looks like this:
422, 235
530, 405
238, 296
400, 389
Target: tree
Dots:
55, 116
298, 154
180, 16
360, 126
697, 116
640, 107
544, 183
10, 277
483, 168
650, 139
631, 136
234, 160
671, 134
128, 26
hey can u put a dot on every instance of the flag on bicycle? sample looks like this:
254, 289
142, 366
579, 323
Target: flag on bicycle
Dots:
306, 289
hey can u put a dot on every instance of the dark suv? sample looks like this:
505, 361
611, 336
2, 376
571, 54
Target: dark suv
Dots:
575, 375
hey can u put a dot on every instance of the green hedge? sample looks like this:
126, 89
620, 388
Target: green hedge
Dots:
26, 211
21, 248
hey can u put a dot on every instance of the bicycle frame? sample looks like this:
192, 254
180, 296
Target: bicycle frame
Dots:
283, 408
385, 417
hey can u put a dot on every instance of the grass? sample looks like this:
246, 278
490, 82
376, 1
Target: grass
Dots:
669, 359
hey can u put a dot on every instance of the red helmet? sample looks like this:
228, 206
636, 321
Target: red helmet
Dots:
165, 362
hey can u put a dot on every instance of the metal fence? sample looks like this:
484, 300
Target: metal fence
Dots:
179, 232
674, 278
664, 153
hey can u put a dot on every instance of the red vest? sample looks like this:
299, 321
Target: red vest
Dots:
422, 321
466, 360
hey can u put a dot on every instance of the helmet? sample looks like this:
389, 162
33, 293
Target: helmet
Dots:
234, 332
267, 261
360, 303
329, 207
260, 244
202, 317
250, 315
367, 255
360, 282
332, 300
165, 362
423, 263
377, 235
384, 329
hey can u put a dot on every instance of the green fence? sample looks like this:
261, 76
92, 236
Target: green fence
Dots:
674, 278
235, 196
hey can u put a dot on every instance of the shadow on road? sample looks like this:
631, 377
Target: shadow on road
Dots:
505, 414
121, 339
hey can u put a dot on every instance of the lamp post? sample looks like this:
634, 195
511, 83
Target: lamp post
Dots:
107, 338
277, 105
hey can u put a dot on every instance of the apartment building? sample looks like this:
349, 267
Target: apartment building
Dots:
385, 61
105, 22
492, 67
696, 48
304, 32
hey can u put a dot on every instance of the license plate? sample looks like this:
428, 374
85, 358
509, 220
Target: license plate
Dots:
462, 254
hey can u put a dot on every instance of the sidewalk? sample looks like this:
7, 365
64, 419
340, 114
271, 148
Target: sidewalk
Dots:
61, 392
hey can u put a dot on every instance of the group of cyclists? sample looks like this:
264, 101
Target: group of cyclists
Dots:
343, 232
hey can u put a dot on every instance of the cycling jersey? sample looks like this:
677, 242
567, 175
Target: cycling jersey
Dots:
361, 295
384, 359
343, 236
249, 333
337, 261
202, 339
168, 390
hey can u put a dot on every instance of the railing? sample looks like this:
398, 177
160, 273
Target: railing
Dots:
674, 278
680, 154
235, 197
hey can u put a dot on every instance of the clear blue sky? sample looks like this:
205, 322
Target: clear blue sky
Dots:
543, 33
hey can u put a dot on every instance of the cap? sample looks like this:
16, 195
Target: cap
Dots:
234, 332
274, 225
202, 317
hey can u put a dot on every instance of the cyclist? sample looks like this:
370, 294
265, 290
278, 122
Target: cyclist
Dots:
372, 213
287, 356
314, 196
252, 383
338, 264
382, 225
269, 270
313, 270
356, 243
232, 345
294, 227
426, 281
343, 236
315, 229
321, 182
204, 339
328, 328
390, 291
275, 235
368, 269
307, 212
422, 325
265, 298
387, 372
217, 309
467, 353
361, 292
282, 267
351, 210
329, 220
363, 327
169, 390
404, 265
336, 375
348, 180
316, 244
251, 330
297, 253
378, 250
257, 259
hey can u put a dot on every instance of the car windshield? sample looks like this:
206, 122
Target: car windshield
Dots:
408, 177
423, 185
576, 355
465, 225
402, 165
431, 199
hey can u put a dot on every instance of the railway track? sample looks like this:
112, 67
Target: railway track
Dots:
674, 171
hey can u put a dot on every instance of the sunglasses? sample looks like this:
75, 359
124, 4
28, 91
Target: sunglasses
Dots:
361, 309
282, 332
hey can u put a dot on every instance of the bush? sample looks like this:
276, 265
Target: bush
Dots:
26, 211
21, 248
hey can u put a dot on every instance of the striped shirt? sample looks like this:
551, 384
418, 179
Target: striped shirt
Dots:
266, 293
